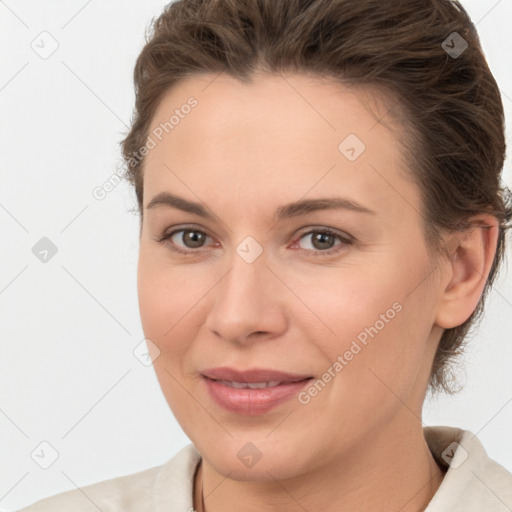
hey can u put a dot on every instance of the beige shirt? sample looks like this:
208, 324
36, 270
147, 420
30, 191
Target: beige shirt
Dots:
473, 482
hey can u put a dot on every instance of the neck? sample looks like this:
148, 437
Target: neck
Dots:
401, 476
198, 488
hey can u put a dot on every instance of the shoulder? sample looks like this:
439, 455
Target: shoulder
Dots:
152, 489
105, 495
473, 481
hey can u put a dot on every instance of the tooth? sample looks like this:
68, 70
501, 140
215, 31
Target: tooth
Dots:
257, 385
238, 385
250, 385
260, 385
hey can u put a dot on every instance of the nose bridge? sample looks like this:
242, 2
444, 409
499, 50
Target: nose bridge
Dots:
243, 300
248, 275
245, 283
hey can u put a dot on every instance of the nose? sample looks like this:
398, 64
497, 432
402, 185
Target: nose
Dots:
248, 302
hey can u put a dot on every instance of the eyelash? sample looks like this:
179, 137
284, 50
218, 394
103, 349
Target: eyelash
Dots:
346, 241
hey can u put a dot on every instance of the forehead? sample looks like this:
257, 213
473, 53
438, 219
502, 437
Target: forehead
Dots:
279, 134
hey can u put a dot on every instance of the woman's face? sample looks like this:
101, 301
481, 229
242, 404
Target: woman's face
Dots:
262, 287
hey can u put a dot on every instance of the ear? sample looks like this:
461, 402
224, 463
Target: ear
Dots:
465, 273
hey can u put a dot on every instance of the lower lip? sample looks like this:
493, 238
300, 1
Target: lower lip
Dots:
251, 402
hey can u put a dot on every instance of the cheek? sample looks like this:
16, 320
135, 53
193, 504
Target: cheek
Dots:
352, 305
374, 329
165, 296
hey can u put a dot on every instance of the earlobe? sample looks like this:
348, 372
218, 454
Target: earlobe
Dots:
472, 255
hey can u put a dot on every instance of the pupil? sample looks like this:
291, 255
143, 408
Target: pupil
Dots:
320, 237
194, 237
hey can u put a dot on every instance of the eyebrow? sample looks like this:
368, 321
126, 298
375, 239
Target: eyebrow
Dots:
289, 210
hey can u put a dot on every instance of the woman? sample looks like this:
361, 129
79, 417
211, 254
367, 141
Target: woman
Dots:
321, 219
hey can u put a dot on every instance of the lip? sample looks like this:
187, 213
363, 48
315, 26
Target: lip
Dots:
252, 402
254, 375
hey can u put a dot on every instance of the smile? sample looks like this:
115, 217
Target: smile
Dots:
252, 398
251, 385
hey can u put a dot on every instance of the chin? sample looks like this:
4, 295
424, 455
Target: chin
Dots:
244, 459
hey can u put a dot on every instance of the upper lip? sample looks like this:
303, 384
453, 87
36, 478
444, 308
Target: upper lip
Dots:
253, 375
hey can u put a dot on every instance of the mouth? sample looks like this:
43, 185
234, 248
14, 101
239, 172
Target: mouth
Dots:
254, 376
252, 392
250, 385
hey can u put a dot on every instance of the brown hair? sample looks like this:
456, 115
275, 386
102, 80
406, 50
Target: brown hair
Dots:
454, 119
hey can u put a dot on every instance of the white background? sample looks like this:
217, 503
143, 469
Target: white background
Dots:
69, 326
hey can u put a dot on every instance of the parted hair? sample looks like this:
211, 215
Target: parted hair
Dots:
425, 55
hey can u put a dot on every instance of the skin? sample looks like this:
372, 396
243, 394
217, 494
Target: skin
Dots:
245, 150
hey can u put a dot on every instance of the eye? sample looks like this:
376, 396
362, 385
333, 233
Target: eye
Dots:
192, 238
323, 240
